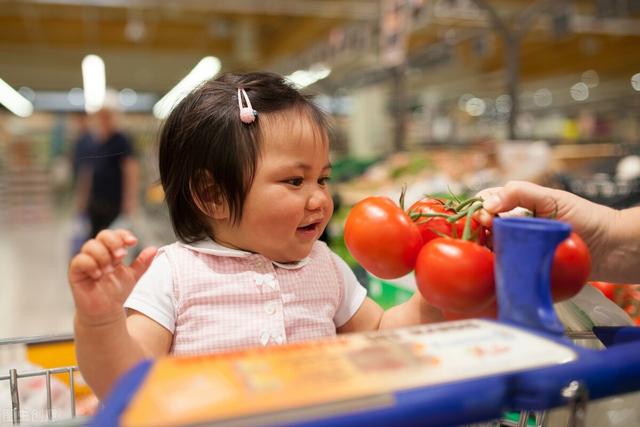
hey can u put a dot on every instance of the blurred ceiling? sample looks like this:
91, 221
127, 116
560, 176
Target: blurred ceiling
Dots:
150, 45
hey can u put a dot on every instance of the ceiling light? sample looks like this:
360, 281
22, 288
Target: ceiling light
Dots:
28, 93
580, 91
543, 97
207, 68
635, 81
76, 97
303, 78
135, 30
476, 107
16, 103
94, 81
591, 78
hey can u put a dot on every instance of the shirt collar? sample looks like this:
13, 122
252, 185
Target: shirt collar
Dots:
208, 246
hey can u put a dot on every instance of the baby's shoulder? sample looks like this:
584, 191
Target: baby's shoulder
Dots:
171, 247
320, 248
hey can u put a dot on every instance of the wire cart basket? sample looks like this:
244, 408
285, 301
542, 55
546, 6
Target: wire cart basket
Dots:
50, 359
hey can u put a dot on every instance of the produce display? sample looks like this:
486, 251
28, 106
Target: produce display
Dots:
449, 251
626, 296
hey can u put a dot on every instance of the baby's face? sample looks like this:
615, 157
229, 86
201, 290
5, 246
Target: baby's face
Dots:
289, 204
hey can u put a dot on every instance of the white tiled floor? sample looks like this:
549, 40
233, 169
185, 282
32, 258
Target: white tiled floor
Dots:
34, 296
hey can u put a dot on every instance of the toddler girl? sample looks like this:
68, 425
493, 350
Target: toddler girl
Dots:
244, 162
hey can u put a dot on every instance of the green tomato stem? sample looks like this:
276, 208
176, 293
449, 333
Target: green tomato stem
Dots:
402, 194
466, 203
466, 234
417, 215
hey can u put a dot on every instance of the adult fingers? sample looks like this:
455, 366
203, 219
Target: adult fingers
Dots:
540, 200
484, 216
488, 192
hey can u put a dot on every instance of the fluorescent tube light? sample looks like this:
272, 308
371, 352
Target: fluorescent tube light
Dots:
208, 67
94, 81
16, 103
303, 78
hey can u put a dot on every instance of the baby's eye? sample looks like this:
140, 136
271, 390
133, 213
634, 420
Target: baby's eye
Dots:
297, 182
324, 180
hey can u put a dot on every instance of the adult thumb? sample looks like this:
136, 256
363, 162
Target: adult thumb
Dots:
522, 194
143, 261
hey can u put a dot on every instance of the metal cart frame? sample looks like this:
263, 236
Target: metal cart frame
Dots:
14, 375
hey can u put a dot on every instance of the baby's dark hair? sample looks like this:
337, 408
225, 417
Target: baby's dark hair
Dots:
208, 155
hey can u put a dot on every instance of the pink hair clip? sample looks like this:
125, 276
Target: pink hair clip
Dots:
247, 114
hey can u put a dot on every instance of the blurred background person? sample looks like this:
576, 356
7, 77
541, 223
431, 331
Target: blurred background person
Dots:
84, 147
111, 187
82, 156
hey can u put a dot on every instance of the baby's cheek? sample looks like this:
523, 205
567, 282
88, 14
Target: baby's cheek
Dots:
283, 215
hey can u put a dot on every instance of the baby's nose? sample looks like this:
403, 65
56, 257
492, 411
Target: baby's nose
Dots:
319, 200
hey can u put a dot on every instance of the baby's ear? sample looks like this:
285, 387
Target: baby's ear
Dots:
207, 197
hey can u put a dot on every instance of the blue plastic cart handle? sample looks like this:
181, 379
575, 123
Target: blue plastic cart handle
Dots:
613, 335
524, 249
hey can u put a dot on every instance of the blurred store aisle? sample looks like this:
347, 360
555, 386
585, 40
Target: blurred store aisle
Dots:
34, 299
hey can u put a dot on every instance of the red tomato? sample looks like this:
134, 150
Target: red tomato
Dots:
490, 312
431, 228
456, 275
382, 238
608, 289
434, 227
571, 268
478, 232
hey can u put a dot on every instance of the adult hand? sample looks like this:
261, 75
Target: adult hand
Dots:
593, 222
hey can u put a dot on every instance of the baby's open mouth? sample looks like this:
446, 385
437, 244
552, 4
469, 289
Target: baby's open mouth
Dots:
309, 227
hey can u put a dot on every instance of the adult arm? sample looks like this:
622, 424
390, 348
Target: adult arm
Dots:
613, 236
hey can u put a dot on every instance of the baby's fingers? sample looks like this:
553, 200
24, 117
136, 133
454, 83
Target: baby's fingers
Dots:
100, 253
83, 265
117, 241
124, 278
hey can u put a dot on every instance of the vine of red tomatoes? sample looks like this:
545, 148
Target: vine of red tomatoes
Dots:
448, 249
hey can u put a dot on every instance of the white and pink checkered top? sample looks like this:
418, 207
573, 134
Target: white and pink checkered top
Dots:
214, 298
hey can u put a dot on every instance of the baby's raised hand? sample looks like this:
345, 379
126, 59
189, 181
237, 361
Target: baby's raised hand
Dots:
100, 282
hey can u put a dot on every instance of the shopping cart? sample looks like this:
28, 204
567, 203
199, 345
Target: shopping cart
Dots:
49, 350
525, 395
49, 358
